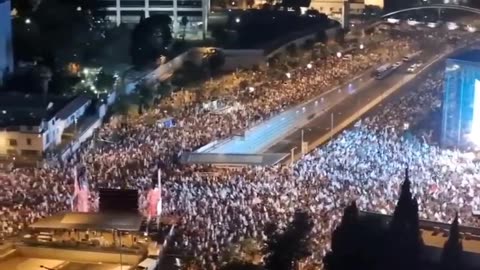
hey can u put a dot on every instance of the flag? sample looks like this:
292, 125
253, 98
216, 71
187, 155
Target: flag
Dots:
159, 203
75, 188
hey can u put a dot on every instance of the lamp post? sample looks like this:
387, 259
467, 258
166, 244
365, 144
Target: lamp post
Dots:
331, 125
292, 155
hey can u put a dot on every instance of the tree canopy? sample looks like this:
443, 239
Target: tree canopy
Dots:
150, 40
284, 249
57, 31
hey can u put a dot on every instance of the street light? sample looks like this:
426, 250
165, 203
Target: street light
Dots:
28, 21
339, 54
362, 46
237, 20
288, 75
309, 65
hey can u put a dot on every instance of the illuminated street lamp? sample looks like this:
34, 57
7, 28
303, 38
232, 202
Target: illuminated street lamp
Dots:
288, 75
339, 54
362, 46
237, 20
28, 21
309, 65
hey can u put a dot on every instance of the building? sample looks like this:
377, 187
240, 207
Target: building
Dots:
131, 11
461, 105
87, 241
339, 9
6, 51
378, 3
434, 235
30, 124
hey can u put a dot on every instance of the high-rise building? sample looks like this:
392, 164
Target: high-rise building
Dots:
6, 51
131, 11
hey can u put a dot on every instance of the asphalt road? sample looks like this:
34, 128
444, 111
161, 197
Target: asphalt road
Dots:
321, 125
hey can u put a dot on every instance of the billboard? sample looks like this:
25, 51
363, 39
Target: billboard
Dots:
461, 102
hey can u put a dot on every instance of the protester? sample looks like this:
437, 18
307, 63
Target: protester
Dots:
220, 207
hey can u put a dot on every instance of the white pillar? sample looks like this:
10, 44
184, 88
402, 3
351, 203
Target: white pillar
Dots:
175, 18
346, 15
205, 12
147, 8
118, 14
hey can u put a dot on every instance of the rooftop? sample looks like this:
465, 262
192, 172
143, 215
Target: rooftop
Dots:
91, 221
17, 109
469, 56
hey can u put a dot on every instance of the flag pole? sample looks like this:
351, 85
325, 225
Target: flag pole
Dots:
75, 187
159, 203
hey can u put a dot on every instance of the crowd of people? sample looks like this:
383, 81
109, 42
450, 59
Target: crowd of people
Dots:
219, 207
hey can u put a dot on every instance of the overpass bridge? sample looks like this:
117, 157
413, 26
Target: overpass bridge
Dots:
439, 7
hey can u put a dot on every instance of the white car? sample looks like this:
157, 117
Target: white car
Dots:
412, 68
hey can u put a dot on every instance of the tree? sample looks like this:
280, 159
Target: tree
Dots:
240, 266
163, 89
220, 35
145, 96
184, 23
292, 49
453, 249
150, 39
284, 249
266, 6
67, 30
214, 61
122, 107
104, 81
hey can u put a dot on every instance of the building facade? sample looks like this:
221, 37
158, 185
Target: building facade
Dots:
29, 126
132, 11
6, 49
339, 10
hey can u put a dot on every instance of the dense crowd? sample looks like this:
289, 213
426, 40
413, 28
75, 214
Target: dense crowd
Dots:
221, 207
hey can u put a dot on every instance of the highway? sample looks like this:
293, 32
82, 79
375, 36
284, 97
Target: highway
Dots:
261, 137
320, 126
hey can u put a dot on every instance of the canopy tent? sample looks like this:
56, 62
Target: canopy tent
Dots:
91, 221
